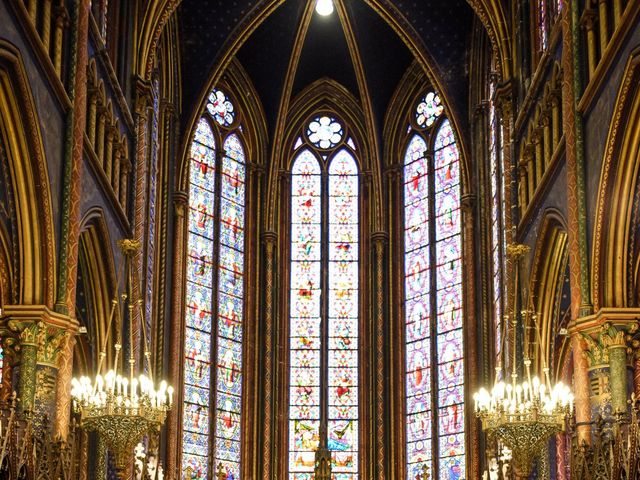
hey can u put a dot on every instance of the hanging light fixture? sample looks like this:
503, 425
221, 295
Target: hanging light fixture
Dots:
324, 7
122, 406
523, 415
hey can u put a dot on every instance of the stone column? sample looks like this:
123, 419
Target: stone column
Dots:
61, 21
43, 335
531, 172
603, 24
605, 338
32, 9
46, 26
616, 344
588, 21
100, 135
270, 242
108, 154
546, 139
63, 394
556, 127
93, 111
380, 241
522, 188
617, 12
578, 260
29, 334
180, 201
539, 155
140, 184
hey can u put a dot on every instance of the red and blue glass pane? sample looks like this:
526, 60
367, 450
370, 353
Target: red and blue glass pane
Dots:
449, 351
342, 425
417, 306
197, 346
445, 353
496, 217
304, 316
224, 386
230, 308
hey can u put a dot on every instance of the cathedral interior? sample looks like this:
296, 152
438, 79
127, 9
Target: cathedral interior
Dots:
319, 239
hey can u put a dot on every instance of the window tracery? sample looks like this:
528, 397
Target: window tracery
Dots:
215, 294
434, 362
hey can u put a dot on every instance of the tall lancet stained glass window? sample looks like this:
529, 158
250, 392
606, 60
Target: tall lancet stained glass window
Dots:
212, 391
433, 296
498, 245
323, 305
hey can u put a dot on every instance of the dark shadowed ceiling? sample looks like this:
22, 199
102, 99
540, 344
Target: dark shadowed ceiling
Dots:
441, 27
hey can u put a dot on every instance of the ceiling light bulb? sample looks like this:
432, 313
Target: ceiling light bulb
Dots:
324, 7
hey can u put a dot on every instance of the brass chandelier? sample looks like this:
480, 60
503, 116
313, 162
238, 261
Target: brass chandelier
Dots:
122, 406
523, 415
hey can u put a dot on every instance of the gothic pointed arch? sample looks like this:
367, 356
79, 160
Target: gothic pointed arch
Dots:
547, 285
96, 289
23, 148
615, 254
325, 202
432, 255
214, 311
386, 11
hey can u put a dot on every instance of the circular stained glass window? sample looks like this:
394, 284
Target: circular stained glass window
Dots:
324, 132
221, 108
429, 108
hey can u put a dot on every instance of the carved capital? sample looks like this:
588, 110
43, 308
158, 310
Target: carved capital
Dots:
481, 109
269, 238
379, 239
504, 99
144, 96
39, 327
608, 337
180, 203
393, 172
468, 202
589, 18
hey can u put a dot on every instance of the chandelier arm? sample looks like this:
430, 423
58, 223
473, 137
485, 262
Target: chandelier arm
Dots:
543, 352
105, 342
514, 320
145, 341
143, 326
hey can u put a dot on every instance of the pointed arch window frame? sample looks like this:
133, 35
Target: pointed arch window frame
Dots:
497, 218
426, 419
324, 158
226, 194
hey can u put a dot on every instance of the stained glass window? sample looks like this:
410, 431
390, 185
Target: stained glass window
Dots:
429, 108
497, 219
214, 298
323, 318
220, 108
543, 24
433, 301
324, 132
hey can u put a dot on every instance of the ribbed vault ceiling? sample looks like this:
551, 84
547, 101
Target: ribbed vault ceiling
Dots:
440, 27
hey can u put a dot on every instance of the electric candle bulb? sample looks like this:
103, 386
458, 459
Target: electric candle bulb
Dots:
324, 7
